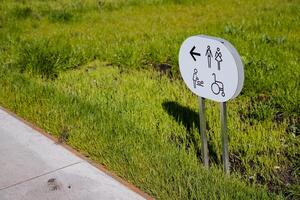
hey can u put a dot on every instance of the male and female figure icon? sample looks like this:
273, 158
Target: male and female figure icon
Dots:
218, 57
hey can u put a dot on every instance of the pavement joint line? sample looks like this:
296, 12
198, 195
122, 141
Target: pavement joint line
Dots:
38, 176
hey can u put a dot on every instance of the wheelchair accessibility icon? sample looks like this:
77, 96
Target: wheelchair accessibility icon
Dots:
217, 87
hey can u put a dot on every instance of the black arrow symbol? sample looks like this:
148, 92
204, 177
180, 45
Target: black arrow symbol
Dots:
193, 54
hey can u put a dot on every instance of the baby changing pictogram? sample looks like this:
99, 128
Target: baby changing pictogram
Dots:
196, 81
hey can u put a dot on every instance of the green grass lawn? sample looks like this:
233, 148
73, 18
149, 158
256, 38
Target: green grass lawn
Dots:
104, 75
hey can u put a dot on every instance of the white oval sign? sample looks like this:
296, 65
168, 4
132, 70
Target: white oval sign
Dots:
211, 68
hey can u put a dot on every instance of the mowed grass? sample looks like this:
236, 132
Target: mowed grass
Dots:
103, 76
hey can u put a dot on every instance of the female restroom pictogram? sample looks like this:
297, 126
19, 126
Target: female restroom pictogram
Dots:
218, 58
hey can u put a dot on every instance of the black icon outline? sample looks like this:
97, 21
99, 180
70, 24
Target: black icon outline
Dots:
209, 56
218, 58
217, 87
193, 54
196, 81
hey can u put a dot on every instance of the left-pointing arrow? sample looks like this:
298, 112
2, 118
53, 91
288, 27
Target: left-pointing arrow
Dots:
193, 54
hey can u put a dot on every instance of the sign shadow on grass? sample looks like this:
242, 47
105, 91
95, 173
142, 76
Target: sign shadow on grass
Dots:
190, 119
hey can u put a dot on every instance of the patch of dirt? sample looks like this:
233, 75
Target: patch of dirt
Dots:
164, 69
282, 177
64, 135
262, 98
294, 126
279, 117
176, 139
236, 164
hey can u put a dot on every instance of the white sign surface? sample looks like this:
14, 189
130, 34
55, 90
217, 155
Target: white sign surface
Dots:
211, 68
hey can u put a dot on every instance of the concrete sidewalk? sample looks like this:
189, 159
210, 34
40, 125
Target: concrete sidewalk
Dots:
33, 167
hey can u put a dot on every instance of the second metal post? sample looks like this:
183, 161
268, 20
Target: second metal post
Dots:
225, 153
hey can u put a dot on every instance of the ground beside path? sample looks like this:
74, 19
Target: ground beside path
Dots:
34, 167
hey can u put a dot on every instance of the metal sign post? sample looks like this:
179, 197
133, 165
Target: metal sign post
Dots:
212, 68
225, 154
204, 146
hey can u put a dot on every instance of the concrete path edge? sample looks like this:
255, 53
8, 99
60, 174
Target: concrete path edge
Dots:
75, 152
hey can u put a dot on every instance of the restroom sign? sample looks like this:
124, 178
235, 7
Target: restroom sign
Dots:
211, 68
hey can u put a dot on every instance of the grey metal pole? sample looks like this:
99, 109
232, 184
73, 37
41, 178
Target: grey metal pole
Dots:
225, 154
203, 132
